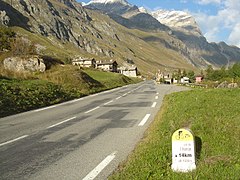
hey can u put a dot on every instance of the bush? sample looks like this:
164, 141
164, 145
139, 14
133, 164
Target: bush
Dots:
6, 38
22, 46
18, 96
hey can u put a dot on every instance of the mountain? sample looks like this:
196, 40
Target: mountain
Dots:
178, 20
111, 6
122, 2
202, 53
179, 25
116, 30
64, 29
126, 14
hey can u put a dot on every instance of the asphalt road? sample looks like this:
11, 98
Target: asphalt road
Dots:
85, 138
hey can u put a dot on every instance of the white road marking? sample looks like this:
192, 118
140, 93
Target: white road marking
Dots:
144, 120
93, 95
94, 173
118, 97
108, 102
72, 101
157, 93
13, 140
92, 109
42, 109
61, 122
154, 104
156, 97
124, 94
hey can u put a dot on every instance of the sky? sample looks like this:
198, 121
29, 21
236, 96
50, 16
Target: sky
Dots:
219, 20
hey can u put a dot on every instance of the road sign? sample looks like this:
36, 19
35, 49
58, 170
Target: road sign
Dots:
183, 151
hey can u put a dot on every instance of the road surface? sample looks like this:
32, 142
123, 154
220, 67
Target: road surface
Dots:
85, 138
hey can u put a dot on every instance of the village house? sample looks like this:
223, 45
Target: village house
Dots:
185, 80
110, 66
84, 62
164, 77
167, 78
198, 79
130, 72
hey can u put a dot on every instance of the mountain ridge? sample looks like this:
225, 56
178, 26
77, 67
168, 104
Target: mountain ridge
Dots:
64, 29
182, 26
133, 35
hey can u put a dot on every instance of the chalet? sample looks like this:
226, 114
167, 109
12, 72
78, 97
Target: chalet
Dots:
110, 66
84, 62
164, 77
167, 77
130, 72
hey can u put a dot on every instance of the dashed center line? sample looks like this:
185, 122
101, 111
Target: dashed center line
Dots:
156, 97
94, 173
108, 102
13, 140
118, 97
144, 120
61, 122
154, 104
92, 110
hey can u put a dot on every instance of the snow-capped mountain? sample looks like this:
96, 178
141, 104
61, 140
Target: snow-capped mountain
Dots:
178, 20
143, 10
126, 14
124, 2
183, 33
110, 6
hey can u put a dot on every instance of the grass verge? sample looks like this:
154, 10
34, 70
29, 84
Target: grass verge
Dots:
22, 92
214, 117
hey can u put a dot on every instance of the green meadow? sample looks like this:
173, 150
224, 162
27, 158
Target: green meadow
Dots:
214, 117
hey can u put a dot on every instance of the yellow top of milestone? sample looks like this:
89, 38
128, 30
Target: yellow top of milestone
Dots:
182, 135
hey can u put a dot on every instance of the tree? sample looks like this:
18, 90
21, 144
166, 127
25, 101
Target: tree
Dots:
191, 76
209, 72
184, 73
234, 72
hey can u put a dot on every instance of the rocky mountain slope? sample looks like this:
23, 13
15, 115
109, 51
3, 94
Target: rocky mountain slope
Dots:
202, 52
126, 14
180, 25
152, 41
64, 29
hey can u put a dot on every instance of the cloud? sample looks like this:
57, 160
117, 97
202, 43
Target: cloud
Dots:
209, 25
227, 19
204, 2
234, 37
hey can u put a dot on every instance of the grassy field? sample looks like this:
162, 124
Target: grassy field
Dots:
109, 79
214, 117
25, 91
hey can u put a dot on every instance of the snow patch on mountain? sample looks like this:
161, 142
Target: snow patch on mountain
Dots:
178, 19
143, 10
124, 2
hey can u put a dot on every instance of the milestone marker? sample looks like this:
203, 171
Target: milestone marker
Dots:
183, 151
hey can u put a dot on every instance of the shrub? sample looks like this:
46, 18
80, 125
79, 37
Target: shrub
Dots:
6, 38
